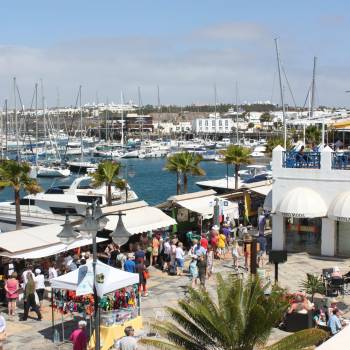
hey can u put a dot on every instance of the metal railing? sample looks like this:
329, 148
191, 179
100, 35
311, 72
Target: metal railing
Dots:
305, 160
340, 160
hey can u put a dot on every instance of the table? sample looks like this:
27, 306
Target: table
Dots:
108, 334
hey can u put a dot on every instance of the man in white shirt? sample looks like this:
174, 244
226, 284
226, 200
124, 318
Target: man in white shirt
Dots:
24, 275
128, 342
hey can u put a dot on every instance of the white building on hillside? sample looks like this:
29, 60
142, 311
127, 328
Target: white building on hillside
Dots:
310, 203
212, 125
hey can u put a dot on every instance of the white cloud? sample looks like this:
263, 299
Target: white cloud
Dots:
184, 68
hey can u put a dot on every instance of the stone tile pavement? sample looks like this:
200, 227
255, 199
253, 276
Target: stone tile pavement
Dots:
165, 291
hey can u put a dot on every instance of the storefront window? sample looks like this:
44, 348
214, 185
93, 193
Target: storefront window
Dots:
303, 235
343, 239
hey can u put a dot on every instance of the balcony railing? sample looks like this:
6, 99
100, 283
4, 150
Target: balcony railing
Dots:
340, 160
305, 160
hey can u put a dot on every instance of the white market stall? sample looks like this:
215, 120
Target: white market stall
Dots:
118, 297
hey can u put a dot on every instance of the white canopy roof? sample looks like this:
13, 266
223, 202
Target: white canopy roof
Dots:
81, 280
340, 207
302, 202
38, 253
140, 217
205, 206
339, 341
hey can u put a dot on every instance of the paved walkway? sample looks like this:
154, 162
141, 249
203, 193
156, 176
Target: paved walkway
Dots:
166, 291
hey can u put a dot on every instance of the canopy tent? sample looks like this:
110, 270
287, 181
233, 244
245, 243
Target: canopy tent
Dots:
81, 280
339, 209
267, 192
205, 206
339, 341
37, 242
302, 202
342, 124
140, 217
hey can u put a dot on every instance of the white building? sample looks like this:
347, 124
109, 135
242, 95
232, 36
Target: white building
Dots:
212, 125
310, 202
173, 128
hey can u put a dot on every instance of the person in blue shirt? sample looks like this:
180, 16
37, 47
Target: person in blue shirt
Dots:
129, 265
334, 322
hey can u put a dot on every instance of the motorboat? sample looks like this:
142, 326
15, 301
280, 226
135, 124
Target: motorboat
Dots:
80, 166
53, 204
259, 151
254, 170
52, 171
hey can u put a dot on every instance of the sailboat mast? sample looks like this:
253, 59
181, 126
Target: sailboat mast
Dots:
122, 126
313, 89
6, 125
281, 92
215, 108
15, 114
81, 124
237, 131
36, 124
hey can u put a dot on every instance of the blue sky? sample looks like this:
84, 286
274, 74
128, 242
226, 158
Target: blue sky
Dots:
184, 46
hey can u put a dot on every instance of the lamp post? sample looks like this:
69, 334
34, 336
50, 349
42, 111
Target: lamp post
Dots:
94, 221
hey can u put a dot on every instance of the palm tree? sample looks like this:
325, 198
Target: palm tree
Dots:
276, 141
313, 134
239, 317
184, 163
313, 284
236, 155
107, 174
190, 165
17, 175
173, 164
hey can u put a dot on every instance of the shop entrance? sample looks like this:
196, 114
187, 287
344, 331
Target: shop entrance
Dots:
303, 235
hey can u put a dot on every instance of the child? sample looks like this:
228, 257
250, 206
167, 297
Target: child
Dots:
193, 269
210, 260
235, 254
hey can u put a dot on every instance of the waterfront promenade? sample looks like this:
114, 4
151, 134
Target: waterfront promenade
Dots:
165, 291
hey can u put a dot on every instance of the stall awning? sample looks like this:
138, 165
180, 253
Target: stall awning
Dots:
263, 190
340, 207
205, 206
139, 218
81, 280
51, 250
302, 202
37, 242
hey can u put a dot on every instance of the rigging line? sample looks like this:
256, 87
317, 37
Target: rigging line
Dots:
71, 125
307, 96
273, 85
289, 87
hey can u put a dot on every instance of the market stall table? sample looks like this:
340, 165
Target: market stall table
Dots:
108, 280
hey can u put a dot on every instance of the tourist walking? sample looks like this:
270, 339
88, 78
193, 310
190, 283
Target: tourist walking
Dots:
210, 261
39, 286
79, 337
12, 287
193, 269
28, 270
129, 265
221, 246
202, 269
180, 259
155, 250
235, 254
166, 254
143, 277
129, 342
53, 271
29, 298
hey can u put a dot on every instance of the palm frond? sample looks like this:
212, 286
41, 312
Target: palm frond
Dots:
300, 340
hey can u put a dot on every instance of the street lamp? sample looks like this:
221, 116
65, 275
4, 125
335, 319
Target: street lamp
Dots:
94, 221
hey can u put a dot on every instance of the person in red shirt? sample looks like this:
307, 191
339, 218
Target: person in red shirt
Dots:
204, 242
79, 337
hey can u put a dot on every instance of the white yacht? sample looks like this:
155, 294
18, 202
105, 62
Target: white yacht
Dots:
52, 205
259, 151
52, 171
